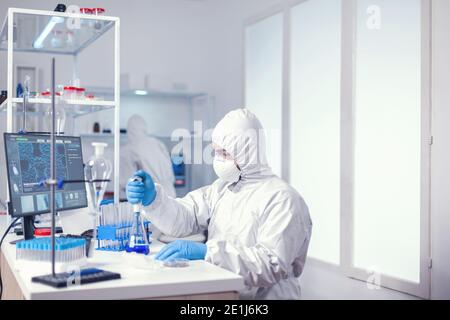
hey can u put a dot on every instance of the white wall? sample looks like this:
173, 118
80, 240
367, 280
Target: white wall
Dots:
440, 178
226, 78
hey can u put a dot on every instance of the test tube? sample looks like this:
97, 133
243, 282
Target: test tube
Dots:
121, 212
83, 249
57, 252
112, 209
30, 250
65, 247
108, 216
72, 247
36, 250
102, 215
39, 251
116, 208
18, 251
111, 214
125, 213
122, 219
105, 215
67, 252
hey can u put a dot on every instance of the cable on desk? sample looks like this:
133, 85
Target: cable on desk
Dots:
1, 241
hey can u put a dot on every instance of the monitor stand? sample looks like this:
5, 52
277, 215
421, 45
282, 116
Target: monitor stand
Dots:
28, 227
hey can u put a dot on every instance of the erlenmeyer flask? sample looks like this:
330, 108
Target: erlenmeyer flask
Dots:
138, 242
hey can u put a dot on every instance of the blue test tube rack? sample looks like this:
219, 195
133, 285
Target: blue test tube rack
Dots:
39, 249
116, 237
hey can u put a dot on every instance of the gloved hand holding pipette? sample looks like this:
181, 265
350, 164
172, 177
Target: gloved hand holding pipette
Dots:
141, 191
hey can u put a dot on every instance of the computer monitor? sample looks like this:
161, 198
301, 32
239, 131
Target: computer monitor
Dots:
28, 165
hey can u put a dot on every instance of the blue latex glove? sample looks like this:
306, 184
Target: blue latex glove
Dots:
183, 249
141, 192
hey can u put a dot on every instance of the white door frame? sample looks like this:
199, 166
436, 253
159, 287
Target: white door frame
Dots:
421, 289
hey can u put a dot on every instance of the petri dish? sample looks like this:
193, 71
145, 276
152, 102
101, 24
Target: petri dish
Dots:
176, 263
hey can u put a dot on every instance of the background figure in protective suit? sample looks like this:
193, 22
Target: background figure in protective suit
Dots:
143, 152
258, 226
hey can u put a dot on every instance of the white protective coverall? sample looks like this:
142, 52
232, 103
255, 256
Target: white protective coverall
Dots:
143, 152
258, 227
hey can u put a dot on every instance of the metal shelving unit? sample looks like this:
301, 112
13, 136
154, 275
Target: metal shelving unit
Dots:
26, 30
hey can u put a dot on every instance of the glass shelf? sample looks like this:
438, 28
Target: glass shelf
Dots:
149, 93
53, 32
73, 108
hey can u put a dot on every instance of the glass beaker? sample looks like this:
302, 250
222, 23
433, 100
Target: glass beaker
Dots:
60, 115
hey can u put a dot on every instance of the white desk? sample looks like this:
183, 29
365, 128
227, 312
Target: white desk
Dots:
201, 280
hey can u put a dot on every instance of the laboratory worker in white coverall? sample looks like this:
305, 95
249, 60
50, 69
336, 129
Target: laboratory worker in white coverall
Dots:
257, 225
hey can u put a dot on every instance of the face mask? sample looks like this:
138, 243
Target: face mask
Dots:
226, 170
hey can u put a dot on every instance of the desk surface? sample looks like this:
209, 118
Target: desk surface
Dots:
136, 283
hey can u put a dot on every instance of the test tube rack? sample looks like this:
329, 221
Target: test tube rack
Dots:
35, 254
116, 237
39, 249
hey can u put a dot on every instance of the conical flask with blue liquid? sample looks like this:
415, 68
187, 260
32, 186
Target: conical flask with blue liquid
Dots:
138, 242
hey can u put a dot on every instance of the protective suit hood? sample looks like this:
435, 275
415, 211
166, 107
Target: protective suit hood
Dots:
241, 134
136, 129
